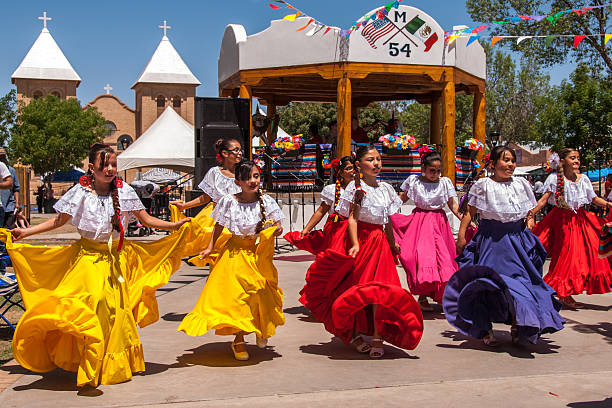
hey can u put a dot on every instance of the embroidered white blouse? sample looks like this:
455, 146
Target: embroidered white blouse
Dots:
428, 195
502, 201
217, 184
328, 196
242, 218
377, 204
576, 193
91, 214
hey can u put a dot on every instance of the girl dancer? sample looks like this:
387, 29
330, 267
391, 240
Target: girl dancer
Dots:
571, 234
500, 280
332, 234
360, 293
84, 300
241, 294
427, 242
217, 182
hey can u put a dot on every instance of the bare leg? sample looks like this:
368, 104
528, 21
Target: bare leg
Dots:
377, 342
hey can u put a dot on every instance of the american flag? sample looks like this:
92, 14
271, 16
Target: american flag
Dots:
375, 30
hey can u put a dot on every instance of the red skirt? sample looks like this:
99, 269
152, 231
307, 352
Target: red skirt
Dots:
572, 240
340, 292
332, 236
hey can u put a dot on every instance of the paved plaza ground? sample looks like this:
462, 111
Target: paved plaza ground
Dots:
305, 367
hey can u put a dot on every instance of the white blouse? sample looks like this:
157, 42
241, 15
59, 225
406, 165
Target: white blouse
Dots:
502, 201
576, 193
242, 218
328, 196
377, 205
91, 214
427, 195
217, 184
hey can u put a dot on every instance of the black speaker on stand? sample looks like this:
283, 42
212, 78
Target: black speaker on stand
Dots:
216, 118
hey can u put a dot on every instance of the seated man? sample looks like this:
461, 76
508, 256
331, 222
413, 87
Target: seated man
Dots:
358, 134
314, 136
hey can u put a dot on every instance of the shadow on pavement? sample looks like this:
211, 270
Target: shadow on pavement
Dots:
174, 317
604, 329
607, 403
56, 380
306, 316
219, 354
335, 349
543, 346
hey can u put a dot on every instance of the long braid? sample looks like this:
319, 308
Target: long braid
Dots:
262, 209
337, 192
115, 219
359, 193
560, 193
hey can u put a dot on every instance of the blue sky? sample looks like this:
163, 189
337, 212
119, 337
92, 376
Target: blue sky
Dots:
111, 41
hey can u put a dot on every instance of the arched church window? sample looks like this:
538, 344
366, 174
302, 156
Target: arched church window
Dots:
37, 94
56, 94
110, 128
161, 101
124, 142
176, 102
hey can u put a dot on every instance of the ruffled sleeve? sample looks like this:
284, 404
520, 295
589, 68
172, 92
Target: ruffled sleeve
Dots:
477, 194
207, 185
449, 187
590, 192
408, 184
70, 202
273, 211
528, 193
128, 199
328, 195
550, 185
395, 203
346, 199
223, 211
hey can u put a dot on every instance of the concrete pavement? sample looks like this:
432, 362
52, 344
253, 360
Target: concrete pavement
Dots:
305, 366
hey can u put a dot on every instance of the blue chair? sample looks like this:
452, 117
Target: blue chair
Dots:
8, 290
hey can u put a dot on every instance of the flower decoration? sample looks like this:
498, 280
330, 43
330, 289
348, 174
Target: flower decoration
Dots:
487, 158
218, 158
553, 162
335, 163
326, 162
398, 141
473, 144
288, 143
118, 182
85, 180
424, 149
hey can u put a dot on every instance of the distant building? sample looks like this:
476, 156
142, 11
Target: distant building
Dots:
529, 155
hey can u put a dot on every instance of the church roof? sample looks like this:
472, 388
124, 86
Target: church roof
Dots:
45, 60
166, 66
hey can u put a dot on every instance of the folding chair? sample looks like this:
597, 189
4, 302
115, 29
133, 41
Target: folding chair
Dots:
8, 290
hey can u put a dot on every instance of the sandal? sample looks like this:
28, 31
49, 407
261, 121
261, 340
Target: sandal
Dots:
570, 303
261, 342
240, 355
360, 345
490, 339
424, 304
377, 350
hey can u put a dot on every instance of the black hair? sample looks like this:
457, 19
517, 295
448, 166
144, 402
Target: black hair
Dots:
345, 161
359, 154
105, 152
429, 158
498, 152
242, 173
224, 144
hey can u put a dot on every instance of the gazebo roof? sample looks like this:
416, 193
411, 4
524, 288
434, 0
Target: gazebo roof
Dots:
45, 60
285, 65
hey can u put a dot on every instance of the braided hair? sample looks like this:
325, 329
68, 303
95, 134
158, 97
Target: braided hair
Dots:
243, 173
359, 154
560, 193
105, 152
342, 163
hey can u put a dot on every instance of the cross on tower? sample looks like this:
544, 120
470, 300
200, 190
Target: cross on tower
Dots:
44, 19
108, 88
165, 27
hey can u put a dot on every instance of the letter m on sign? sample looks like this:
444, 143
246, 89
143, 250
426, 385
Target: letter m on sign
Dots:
401, 15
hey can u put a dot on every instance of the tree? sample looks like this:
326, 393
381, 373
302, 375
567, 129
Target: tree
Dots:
53, 134
8, 115
592, 50
578, 114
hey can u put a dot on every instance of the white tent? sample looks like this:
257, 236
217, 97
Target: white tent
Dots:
167, 143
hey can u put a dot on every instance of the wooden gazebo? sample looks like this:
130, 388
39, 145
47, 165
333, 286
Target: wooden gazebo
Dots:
405, 59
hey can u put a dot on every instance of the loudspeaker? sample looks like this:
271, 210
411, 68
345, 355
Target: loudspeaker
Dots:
219, 118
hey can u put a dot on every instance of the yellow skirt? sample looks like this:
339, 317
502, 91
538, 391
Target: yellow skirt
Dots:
83, 302
201, 226
241, 293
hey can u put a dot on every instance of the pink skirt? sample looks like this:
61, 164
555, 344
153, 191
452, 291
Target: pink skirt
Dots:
428, 250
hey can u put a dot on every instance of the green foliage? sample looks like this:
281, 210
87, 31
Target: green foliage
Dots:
578, 114
54, 134
592, 50
8, 115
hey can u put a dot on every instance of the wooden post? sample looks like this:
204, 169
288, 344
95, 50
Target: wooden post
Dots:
434, 123
448, 131
245, 92
344, 117
270, 114
480, 120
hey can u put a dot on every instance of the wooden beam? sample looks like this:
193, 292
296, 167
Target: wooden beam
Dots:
480, 120
270, 114
344, 117
434, 123
245, 92
448, 131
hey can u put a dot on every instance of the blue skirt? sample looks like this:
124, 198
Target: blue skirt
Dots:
500, 281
